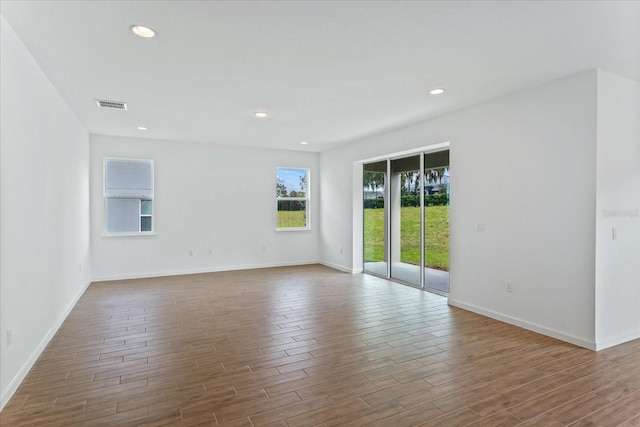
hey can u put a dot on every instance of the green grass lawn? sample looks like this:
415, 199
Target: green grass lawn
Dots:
436, 236
289, 219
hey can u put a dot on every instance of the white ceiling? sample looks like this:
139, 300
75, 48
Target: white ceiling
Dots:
327, 72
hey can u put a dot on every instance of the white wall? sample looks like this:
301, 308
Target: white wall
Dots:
618, 174
44, 213
207, 197
525, 166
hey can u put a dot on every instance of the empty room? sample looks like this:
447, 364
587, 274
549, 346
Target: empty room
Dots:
319, 213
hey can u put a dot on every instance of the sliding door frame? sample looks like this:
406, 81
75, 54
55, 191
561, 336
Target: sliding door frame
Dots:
424, 151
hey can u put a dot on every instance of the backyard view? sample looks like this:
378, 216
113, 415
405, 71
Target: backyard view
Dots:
292, 219
405, 181
436, 236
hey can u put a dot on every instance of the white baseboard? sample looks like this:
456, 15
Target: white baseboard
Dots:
199, 271
591, 345
15, 382
601, 345
341, 267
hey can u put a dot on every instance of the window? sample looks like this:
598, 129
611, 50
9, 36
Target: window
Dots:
292, 192
128, 194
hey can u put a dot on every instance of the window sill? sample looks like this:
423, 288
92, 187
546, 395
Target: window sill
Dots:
294, 229
133, 234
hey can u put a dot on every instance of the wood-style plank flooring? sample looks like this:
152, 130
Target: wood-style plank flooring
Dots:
310, 346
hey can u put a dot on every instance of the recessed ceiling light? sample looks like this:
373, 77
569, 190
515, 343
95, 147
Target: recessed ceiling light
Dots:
142, 128
436, 91
304, 143
143, 31
260, 114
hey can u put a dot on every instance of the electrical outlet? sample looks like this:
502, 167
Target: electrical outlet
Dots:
614, 233
341, 250
190, 252
480, 227
210, 251
508, 287
9, 336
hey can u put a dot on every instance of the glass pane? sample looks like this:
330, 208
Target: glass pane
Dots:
405, 219
292, 213
128, 178
145, 223
145, 207
123, 215
374, 228
436, 222
291, 182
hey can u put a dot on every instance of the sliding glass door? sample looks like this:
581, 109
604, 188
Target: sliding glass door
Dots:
375, 218
404, 209
436, 221
406, 220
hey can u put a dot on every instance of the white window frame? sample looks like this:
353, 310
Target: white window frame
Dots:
306, 199
106, 197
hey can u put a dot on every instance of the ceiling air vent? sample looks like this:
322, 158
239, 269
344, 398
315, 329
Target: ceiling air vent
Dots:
116, 105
